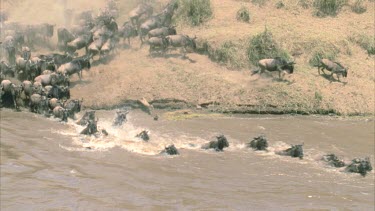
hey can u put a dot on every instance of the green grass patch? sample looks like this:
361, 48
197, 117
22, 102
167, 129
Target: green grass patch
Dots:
194, 12
263, 46
328, 7
280, 4
227, 53
365, 42
243, 14
259, 2
323, 52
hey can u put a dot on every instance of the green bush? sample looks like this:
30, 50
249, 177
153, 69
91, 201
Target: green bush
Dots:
326, 52
228, 54
328, 7
195, 12
359, 7
243, 14
263, 46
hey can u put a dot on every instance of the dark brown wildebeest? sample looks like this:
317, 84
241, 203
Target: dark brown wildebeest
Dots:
157, 43
61, 113
181, 41
63, 37
276, 64
127, 31
75, 66
162, 32
333, 67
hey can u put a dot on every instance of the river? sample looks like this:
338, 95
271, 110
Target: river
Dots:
46, 165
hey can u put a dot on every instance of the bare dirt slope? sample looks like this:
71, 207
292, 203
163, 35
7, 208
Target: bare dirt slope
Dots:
132, 74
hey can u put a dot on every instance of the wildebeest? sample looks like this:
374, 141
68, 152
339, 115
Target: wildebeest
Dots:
39, 104
361, 166
89, 115
6, 70
157, 43
127, 31
276, 64
170, 150
7, 88
136, 13
61, 113
50, 79
53, 102
143, 135
75, 66
73, 107
23, 68
10, 49
59, 59
333, 160
259, 143
333, 67
26, 53
59, 92
182, 41
64, 36
80, 42
293, 151
27, 89
162, 32
120, 118
91, 128
153, 22
219, 144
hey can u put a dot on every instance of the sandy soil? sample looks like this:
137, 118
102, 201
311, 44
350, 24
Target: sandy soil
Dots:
133, 74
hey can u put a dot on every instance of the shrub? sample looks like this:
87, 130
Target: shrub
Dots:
365, 42
227, 53
328, 7
280, 4
263, 46
243, 14
195, 12
358, 7
326, 52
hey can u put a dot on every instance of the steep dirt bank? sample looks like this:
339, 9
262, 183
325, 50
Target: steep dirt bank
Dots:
174, 82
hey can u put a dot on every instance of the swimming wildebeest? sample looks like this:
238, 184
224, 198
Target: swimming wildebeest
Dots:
333, 160
333, 67
170, 150
259, 143
182, 41
276, 64
219, 144
157, 43
75, 66
143, 135
120, 118
89, 115
91, 128
361, 166
162, 32
61, 113
8, 88
294, 151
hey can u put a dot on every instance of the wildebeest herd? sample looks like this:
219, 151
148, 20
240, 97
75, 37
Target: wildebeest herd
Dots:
45, 78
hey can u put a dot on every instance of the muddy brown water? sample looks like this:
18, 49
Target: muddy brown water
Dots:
45, 165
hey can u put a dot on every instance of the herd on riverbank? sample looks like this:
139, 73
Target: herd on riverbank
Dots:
45, 78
